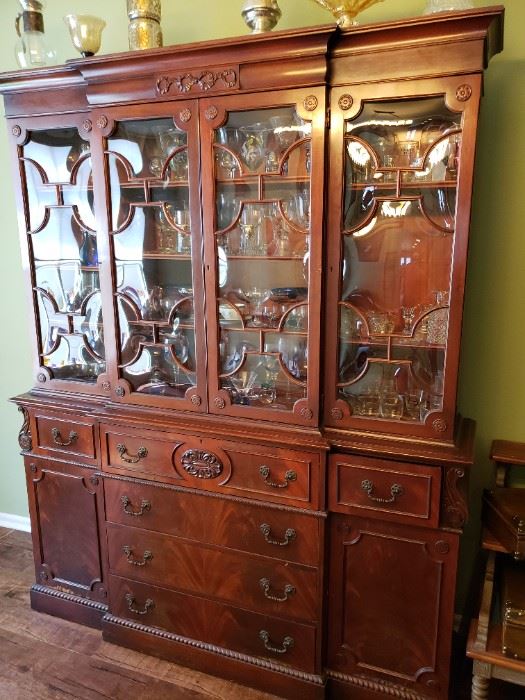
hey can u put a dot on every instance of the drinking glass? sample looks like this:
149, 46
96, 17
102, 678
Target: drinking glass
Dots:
253, 149
228, 137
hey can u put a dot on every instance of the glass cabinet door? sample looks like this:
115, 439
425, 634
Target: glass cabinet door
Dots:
396, 241
61, 234
262, 214
155, 242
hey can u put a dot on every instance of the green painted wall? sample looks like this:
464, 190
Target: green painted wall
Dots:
492, 382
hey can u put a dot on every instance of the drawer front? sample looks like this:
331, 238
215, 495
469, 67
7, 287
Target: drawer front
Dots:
273, 532
274, 474
59, 435
256, 583
208, 621
271, 474
391, 490
129, 451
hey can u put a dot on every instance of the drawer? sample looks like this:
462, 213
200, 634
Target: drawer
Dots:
271, 531
273, 474
391, 490
58, 435
126, 450
211, 622
256, 583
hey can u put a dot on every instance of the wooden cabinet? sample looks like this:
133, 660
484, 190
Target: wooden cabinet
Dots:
246, 262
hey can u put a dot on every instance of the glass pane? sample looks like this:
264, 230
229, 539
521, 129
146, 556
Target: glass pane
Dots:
401, 164
262, 231
59, 200
150, 217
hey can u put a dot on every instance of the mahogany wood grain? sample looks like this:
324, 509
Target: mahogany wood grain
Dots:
71, 559
388, 490
228, 522
390, 587
59, 436
287, 642
264, 585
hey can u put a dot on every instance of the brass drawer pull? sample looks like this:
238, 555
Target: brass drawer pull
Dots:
395, 491
266, 585
131, 459
289, 535
147, 556
144, 506
290, 475
57, 437
148, 605
288, 643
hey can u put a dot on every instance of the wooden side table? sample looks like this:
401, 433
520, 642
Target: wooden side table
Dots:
484, 645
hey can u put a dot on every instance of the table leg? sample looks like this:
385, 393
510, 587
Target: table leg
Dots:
480, 688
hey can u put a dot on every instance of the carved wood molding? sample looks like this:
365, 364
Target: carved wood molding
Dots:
455, 507
203, 81
24, 435
69, 597
382, 687
237, 656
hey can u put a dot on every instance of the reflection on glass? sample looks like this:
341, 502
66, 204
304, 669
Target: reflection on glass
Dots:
152, 242
262, 180
402, 161
59, 198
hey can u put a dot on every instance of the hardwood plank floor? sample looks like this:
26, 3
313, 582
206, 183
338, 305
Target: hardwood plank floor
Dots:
46, 658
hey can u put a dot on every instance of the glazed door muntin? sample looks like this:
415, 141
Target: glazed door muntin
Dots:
391, 189
155, 244
60, 243
262, 197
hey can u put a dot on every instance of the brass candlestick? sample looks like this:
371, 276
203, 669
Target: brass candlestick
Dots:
144, 30
261, 15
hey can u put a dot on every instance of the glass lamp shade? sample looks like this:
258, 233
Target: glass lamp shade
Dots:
86, 32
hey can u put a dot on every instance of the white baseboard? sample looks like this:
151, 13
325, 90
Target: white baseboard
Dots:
15, 522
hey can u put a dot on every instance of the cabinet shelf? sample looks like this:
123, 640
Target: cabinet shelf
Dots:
383, 343
163, 256
392, 185
273, 178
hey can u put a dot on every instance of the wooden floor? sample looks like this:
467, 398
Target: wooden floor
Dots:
46, 658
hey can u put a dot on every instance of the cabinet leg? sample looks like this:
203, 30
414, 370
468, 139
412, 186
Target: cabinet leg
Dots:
480, 688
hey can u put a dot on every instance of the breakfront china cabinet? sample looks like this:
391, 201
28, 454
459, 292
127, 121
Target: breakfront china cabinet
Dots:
245, 261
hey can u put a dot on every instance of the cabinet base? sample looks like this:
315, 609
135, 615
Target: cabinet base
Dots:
345, 687
68, 606
237, 667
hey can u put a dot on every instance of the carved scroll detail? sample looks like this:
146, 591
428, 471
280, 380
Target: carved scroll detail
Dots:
24, 436
203, 465
455, 507
204, 81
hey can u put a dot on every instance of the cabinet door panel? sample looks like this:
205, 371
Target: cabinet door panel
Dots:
60, 240
391, 602
397, 250
68, 527
262, 203
151, 167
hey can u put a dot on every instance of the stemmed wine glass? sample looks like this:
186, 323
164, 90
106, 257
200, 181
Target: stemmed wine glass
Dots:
230, 139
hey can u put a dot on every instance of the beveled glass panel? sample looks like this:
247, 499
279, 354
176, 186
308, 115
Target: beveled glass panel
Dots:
150, 218
59, 201
262, 231
401, 163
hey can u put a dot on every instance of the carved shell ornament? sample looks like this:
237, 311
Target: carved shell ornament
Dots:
202, 464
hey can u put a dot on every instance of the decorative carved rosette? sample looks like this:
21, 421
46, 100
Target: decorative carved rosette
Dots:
211, 113
310, 103
196, 400
439, 425
202, 464
464, 92
102, 121
337, 414
16, 130
185, 115
345, 102
120, 391
219, 402
87, 125
307, 413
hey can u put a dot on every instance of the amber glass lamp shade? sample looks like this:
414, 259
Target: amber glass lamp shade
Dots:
86, 32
